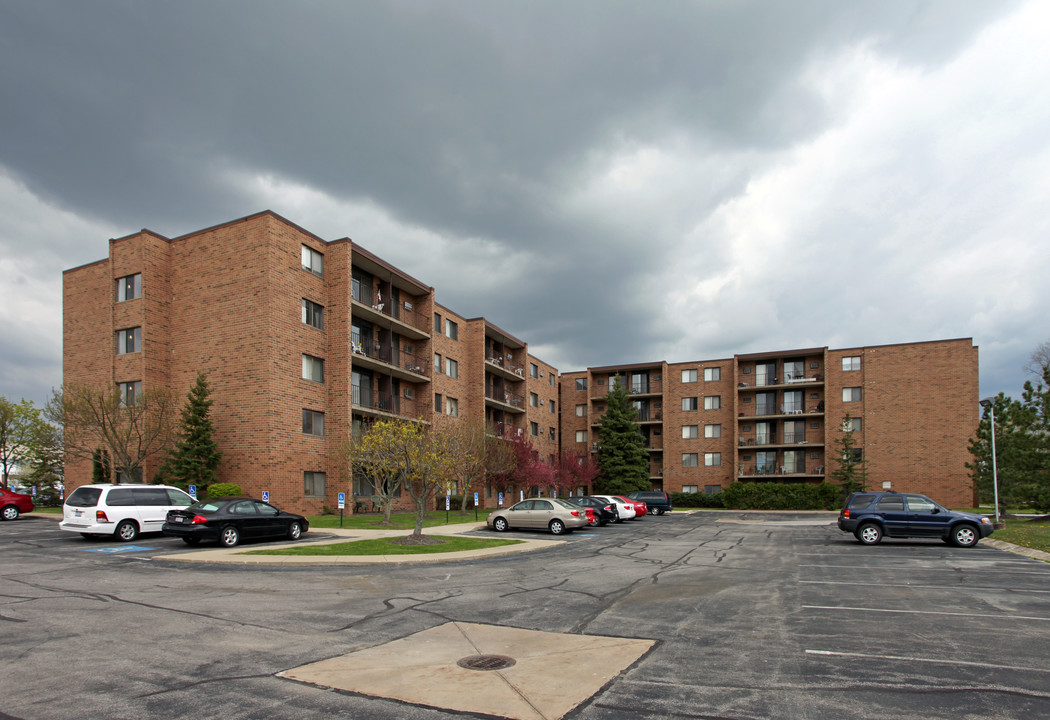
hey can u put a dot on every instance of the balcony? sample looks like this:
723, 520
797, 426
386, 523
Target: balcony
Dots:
400, 317
505, 400
383, 403
769, 381
506, 430
649, 387
767, 469
785, 410
771, 440
384, 359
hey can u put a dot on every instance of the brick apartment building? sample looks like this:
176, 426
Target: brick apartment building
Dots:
304, 340
776, 416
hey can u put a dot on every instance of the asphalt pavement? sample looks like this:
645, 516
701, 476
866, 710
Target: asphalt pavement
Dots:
708, 615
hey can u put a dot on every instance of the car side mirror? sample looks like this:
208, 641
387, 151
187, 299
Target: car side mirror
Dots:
936, 510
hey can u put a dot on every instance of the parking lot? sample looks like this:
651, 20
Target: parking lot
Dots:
752, 615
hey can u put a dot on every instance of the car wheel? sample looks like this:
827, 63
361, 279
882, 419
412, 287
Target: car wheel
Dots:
618, 518
295, 531
659, 511
557, 527
229, 536
869, 533
192, 541
501, 524
126, 530
10, 512
964, 535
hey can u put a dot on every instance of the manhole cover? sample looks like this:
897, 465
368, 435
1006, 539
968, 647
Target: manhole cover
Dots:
486, 662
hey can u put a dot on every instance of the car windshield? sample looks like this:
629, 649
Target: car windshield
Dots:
564, 503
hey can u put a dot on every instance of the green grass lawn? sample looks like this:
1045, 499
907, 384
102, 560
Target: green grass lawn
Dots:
1027, 533
386, 546
400, 521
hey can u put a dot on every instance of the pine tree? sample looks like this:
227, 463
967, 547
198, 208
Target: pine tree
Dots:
851, 472
101, 469
622, 456
195, 457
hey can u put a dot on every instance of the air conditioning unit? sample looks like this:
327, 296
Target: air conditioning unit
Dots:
541, 402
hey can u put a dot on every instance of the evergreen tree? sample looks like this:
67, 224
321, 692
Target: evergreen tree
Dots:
195, 457
622, 457
101, 468
851, 473
1022, 446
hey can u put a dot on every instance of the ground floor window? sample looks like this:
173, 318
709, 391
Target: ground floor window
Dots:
689, 488
313, 484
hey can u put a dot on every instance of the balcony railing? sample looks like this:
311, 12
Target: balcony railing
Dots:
507, 430
505, 362
403, 311
384, 402
387, 355
647, 415
769, 468
650, 387
508, 398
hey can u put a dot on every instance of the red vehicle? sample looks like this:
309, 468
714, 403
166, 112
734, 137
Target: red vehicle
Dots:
640, 508
13, 504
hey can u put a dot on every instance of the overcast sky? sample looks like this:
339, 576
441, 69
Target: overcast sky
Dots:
613, 182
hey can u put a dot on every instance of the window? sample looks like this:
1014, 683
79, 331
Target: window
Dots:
130, 392
689, 459
854, 425
851, 394
313, 484
581, 411
689, 376
891, 502
581, 383
689, 488
712, 374
129, 287
437, 323
534, 370
553, 434
712, 489
534, 400
712, 431
534, 429
452, 407
550, 405
712, 402
851, 363
689, 403
451, 330
551, 380
581, 436
313, 261
313, 368
437, 363
313, 423
712, 459
313, 314
129, 341
690, 432
437, 403
452, 368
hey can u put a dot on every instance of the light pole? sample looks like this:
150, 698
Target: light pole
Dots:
987, 402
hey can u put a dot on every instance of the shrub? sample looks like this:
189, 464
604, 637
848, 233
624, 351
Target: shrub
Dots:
779, 496
696, 500
224, 490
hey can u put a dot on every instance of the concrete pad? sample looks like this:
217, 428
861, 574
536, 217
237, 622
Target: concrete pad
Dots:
552, 672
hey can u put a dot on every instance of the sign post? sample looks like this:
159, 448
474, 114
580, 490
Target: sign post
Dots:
448, 504
342, 504
475, 507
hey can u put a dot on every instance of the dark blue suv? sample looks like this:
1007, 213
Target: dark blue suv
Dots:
870, 515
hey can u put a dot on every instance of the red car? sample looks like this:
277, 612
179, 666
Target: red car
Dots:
13, 504
640, 508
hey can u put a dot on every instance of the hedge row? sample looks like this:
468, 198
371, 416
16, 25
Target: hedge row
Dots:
765, 496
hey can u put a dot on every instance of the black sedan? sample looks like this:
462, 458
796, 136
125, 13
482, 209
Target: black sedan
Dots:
604, 512
231, 519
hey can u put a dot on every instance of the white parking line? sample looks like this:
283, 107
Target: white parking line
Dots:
929, 660
898, 569
926, 612
953, 588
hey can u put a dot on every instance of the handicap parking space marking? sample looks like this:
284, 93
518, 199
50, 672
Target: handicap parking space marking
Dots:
120, 549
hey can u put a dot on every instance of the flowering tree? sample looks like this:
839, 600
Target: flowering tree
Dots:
575, 470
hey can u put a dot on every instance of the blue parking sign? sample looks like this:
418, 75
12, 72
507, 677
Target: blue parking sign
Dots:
342, 500
266, 496
193, 491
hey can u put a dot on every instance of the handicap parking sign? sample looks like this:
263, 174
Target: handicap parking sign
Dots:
266, 496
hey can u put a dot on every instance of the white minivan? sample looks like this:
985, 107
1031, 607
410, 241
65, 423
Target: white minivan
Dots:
122, 511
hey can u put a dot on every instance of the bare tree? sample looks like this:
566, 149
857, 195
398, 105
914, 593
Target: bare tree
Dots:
480, 454
133, 432
1039, 361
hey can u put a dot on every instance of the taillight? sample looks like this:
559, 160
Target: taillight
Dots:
100, 516
845, 513
198, 520
575, 513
